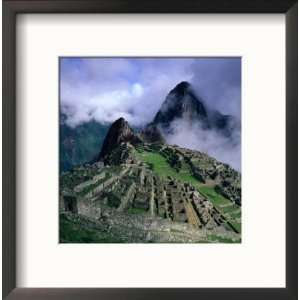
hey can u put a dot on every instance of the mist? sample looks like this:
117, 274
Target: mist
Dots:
104, 89
192, 136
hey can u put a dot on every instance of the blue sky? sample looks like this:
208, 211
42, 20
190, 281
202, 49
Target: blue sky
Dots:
105, 89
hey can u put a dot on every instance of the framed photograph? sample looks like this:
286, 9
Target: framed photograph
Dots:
150, 149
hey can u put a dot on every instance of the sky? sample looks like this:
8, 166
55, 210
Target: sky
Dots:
105, 89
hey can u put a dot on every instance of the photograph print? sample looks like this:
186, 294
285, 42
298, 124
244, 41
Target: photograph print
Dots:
150, 150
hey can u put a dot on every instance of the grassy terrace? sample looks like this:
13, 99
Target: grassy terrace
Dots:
135, 210
161, 167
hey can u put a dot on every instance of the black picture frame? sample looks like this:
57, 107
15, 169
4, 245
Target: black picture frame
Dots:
11, 9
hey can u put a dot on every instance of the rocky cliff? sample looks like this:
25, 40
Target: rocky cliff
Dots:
119, 132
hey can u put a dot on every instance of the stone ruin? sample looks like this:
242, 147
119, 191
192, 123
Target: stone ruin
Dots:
135, 186
127, 185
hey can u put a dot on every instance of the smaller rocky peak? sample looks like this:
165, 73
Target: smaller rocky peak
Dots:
121, 127
120, 121
119, 132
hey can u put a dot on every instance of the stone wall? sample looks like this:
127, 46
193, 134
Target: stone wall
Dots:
128, 197
106, 183
101, 187
87, 183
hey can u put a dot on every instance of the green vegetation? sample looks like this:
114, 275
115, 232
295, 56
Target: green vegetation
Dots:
237, 225
157, 163
75, 230
215, 198
80, 144
135, 210
160, 166
231, 211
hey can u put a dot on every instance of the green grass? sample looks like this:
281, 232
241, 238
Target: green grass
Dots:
157, 163
236, 213
76, 231
216, 198
237, 226
161, 167
135, 210
232, 212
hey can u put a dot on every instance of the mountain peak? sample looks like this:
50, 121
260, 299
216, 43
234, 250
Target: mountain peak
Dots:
181, 103
121, 126
181, 88
119, 132
121, 121
183, 85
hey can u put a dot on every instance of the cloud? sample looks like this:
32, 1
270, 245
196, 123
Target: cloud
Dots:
218, 82
192, 136
102, 88
105, 89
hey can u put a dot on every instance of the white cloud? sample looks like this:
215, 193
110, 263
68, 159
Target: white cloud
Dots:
192, 136
106, 89
137, 90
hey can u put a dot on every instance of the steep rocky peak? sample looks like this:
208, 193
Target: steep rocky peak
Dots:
121, 127
181, 103
120, 121
182, 88
119, 132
